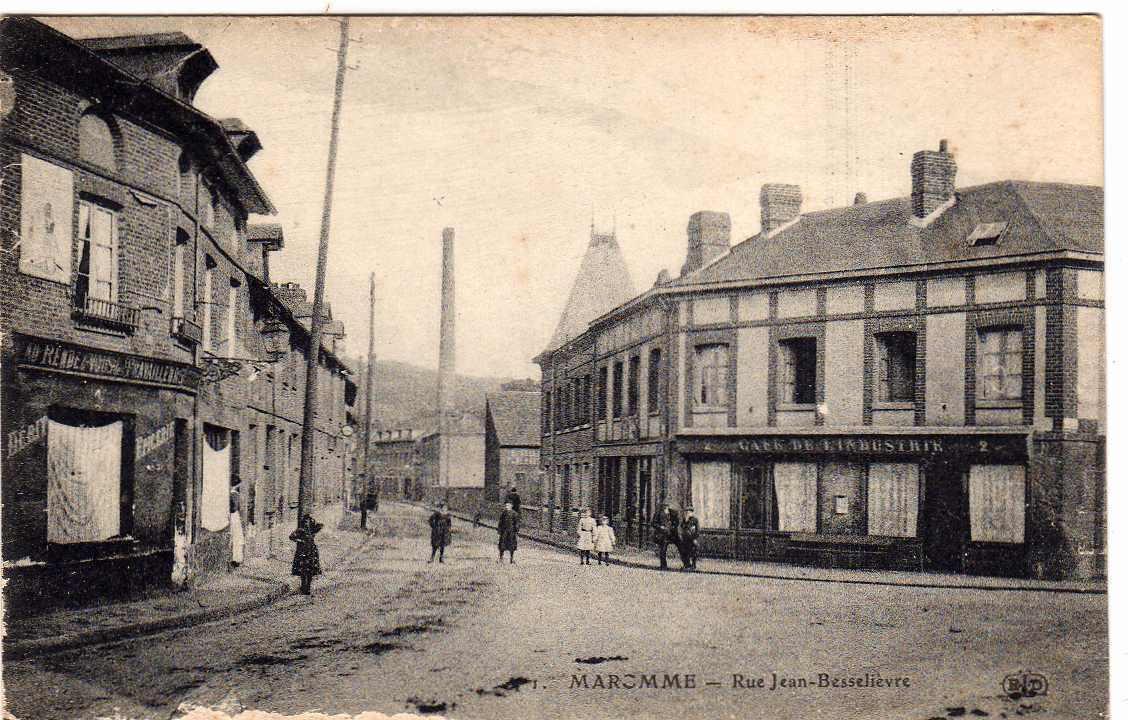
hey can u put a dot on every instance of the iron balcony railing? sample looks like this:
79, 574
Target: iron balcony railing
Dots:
106, 313
186, 330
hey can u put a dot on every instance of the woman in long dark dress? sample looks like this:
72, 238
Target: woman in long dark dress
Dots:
507, 526
440, 531
307, 560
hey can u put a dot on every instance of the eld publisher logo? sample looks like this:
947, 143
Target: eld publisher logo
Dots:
1025, 684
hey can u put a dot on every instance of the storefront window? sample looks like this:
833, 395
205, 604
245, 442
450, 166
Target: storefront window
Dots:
753, 503
796, 487
712, 486
893, 499
83, 480
1000, 364
997, 503
711, 370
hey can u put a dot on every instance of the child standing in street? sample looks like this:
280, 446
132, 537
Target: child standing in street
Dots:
307, 560
585, 541
440, 531
604, 537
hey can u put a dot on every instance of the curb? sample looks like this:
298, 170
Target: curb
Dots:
840, 581
45, 646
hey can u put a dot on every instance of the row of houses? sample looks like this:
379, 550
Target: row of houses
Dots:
914, 383
151, 365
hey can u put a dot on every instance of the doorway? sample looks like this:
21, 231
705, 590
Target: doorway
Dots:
944, 518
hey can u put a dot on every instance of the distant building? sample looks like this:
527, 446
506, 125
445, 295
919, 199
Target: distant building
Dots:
513, 448
452, 463
392, 463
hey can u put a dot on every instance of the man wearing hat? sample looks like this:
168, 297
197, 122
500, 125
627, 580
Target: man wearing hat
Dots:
665, 526
689, 532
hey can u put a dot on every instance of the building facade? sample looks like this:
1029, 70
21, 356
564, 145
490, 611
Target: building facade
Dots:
130, 287
452, 463
512, 450
913, 383
392, 464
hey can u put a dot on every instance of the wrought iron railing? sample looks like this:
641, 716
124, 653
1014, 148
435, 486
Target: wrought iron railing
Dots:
106, 313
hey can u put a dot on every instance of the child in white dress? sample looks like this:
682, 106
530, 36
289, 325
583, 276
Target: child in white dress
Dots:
585, 542
604, 537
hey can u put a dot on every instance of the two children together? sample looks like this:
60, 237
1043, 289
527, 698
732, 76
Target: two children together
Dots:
592, 536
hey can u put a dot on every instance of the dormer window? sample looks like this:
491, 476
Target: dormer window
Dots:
987, 233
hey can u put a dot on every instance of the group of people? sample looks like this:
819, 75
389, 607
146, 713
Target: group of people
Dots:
681, 532
508, 524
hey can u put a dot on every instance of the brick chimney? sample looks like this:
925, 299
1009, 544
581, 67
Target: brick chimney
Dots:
446, 334
708, 238
934, 179
779, 204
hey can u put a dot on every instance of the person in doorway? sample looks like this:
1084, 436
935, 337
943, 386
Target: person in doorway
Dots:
507, 525
440, 531
688, 532
665, 526
236, 529
307, 560
604, 540
514, 500
585, 540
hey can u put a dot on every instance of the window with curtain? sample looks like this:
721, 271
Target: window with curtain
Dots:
796, 488
96, 142
711, 375
797, 367
997, 503
215, 499
83, 480
896, 364
653, 378
999, 357
711, 485
97, 253
893, 499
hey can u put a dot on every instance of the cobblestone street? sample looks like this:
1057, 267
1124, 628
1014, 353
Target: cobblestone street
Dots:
547, 637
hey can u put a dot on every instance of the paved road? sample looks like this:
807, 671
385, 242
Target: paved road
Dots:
474, 639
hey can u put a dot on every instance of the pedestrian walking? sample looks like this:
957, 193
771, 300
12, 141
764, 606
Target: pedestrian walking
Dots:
665, 527
585, 540
514, 500
688, 532
604, 536
307, 560
440, 531
236, 529
507, 525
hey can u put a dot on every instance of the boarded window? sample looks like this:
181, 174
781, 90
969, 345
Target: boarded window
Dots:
1000, 364
997, 503
711, 375
796, 487
893, 499
83, 481
711, 483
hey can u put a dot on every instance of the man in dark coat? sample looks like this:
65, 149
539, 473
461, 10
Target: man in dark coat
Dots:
440, 531
514, 500
507, 526
307, 560
688, 531
665, 526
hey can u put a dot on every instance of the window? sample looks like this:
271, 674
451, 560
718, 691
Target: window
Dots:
896, 366
84, 479
569, 403
711, 483
711, 375
207, 207
577, 402
209, 279
97, 264
178, 273
96, 142
796, 485
1000, 364
797, 362
617, 391
653, 378
546, 413
557, 416
184, 176
217, 461
753, 495
587, 398
997, 503
893, 499
632, 386
601, 394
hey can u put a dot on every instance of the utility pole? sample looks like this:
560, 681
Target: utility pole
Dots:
305, 478
369, 389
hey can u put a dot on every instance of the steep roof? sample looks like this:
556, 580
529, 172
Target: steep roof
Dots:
516, 417
1038, 217
602, 283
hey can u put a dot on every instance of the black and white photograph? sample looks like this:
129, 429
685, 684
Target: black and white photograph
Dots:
359, 367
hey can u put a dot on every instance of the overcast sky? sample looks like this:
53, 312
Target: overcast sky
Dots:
515, 131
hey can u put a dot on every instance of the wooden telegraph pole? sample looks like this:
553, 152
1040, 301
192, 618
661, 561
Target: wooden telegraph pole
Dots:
305, 479
369, 390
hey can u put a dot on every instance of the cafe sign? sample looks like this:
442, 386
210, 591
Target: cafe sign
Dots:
64, 357
998, 444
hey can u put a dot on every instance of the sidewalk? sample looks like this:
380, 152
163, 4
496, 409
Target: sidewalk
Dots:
257, 582
630, 556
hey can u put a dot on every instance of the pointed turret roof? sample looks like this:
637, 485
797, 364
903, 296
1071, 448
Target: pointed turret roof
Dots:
602, 284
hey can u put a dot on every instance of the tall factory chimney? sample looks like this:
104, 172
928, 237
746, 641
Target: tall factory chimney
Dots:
446, 328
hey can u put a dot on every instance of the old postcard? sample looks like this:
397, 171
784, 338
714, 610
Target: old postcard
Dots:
554, 367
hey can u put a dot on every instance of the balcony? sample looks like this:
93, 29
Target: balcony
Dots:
186, 331
103, 313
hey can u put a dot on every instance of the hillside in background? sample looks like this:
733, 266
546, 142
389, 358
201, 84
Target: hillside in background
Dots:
405, 394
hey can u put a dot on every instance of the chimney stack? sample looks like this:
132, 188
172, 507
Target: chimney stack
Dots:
779, 204
708, 238
934, 179
446, 326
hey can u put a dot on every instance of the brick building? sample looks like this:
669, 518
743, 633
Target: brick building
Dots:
513, 449
915, 382
136, 313
452, 462
392, 463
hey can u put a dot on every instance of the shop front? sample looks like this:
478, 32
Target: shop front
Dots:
913, 501
628, 479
